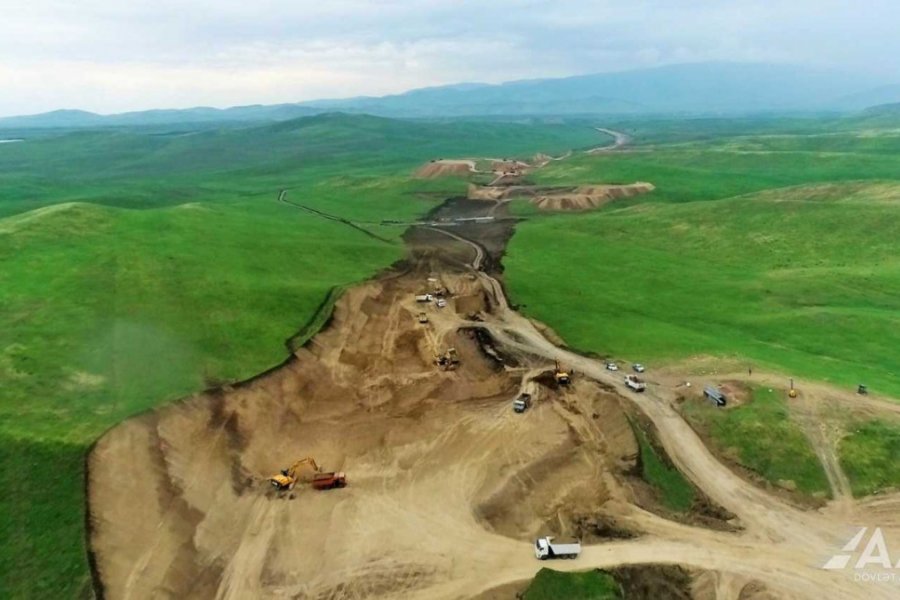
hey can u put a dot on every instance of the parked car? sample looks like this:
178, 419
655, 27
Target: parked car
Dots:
611, 366
638, 367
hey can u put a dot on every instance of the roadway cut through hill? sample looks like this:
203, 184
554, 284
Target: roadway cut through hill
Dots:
447, 486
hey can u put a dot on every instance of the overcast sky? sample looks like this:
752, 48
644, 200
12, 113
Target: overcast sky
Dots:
118, 55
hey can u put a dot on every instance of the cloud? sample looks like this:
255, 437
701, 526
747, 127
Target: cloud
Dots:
108, 55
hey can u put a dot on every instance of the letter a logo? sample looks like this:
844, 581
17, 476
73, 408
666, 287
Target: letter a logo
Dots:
840, 561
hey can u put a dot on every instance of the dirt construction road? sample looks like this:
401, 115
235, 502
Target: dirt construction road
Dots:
447, 486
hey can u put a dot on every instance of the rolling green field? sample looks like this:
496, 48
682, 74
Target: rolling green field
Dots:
139, 267
761, 436
802, 280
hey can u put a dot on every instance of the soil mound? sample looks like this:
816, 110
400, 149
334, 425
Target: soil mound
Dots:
446, 168
561, 198
588, 197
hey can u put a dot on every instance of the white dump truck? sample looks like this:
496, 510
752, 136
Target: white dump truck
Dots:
522, 403
424, 298
550, 547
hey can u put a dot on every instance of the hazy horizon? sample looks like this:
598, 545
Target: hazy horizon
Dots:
107, 58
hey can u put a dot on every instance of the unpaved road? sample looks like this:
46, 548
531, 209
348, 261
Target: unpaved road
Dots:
620, 140
447, 486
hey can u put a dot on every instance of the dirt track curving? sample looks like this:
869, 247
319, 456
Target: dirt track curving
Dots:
447, 486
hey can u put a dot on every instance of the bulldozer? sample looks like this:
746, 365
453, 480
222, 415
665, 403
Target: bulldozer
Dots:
448, 361
288, 478
423, 318
561, 376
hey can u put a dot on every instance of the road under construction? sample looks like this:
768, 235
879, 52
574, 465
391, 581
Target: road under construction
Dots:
447, 486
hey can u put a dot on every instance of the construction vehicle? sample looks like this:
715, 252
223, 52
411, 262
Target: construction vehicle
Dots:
437, 289
522, 403
715, 396
424, 298
288, 478
550, 547
423, 318
448, 361
862, 390
329, 481
561, 376
633, 383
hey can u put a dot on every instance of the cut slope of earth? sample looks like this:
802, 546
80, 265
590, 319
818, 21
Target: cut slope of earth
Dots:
576, 198
438, 465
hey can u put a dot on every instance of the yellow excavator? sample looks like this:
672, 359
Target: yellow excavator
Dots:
561, 376
288, 478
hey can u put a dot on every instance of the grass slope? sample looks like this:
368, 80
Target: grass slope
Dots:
761, 436
804, 280
590, 585
675, 492
109, 311
870, 456
725, 167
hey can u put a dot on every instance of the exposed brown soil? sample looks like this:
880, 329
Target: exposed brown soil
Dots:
561, 198
435, 459
437, 462
445, 168
654, 582
713, 585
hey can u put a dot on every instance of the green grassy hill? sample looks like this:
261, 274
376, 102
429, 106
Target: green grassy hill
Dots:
804, 280
137, 267
109, 311
140, 170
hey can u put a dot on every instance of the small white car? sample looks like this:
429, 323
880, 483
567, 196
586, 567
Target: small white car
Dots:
638, 367
441, 303
611, 366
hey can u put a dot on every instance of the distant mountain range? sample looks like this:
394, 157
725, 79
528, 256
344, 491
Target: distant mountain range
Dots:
694, 89
81, 118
